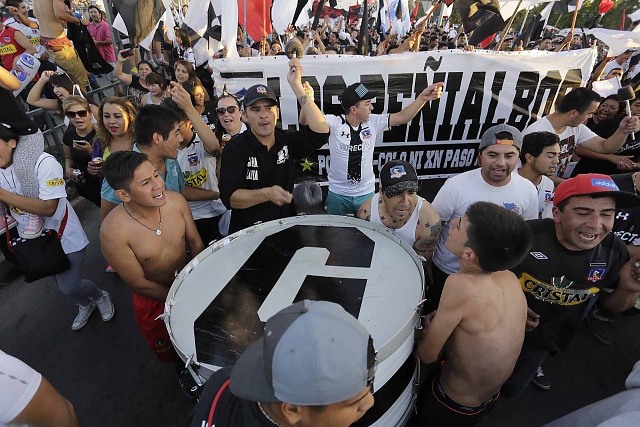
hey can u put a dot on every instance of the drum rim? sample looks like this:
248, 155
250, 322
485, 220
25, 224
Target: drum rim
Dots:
318, 220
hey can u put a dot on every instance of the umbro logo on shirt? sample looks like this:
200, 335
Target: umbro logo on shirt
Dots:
538, 255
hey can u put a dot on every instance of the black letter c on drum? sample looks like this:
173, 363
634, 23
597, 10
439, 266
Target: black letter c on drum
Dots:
300, 262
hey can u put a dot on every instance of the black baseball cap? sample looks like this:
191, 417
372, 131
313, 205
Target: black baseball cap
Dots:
257, 92
397, 176
353, 94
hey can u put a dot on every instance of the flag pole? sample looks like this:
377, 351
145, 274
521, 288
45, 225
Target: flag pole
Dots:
432, 11
575, 17
506, 30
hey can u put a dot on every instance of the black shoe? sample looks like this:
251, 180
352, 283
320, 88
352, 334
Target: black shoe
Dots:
600, 326
540, 381
189, 387
9, 276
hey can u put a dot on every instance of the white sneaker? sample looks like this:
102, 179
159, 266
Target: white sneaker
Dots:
84, 312
34, 226
105, 305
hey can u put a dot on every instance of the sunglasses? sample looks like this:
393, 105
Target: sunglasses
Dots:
73, 114
230, 109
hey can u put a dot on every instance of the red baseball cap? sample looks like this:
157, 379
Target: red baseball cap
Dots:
594, 183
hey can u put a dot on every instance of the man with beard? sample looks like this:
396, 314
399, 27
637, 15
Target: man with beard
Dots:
491, 182
398, 207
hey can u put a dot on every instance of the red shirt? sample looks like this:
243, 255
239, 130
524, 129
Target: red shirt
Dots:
9, 47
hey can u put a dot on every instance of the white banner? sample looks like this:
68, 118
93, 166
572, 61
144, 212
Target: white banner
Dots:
482, 89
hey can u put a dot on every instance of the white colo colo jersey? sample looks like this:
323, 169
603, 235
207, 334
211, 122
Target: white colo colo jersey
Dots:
199, 171
51, 186
546, 188
351, 149
569, 140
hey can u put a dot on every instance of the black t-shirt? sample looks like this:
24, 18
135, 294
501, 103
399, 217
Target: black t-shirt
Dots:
80, 157
627, 224
558, 283
230, 411
605, 129
209, 114
247, 164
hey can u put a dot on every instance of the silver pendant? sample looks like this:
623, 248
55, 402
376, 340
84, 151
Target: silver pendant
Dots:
158, 232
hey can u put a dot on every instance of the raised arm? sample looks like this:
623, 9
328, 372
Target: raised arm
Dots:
430, 93
614, 142
121, 75
314, 117
180, 95
35, 98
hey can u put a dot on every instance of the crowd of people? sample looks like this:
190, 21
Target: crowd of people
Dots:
517, 253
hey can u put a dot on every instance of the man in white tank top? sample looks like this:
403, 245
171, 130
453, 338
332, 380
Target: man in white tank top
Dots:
398, 206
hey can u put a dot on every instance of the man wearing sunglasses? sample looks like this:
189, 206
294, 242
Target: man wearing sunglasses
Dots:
314, 366
258, 166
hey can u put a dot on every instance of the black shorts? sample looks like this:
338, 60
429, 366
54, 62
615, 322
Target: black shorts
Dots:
435, 408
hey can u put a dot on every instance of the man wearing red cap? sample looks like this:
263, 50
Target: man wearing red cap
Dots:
573, 257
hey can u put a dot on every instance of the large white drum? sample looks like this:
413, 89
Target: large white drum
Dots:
219, 302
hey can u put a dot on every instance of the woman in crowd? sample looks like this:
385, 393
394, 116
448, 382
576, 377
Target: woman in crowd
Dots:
202, 103
609, 107
228, 122
78, 141
63, 86
157, 89
624, 160
114, 129
137, 83
185, 72
185, 51
52, 204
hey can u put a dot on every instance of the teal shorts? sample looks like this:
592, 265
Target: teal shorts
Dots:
345, 205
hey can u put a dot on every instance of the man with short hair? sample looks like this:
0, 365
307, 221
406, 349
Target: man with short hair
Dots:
539, 157
545, 44
491, 182
480, 319
258, 168
157, 134
352, 143
620, 61
145, 239
314, 366
397, 206
51, 14
574, 257
101, 33
567, 121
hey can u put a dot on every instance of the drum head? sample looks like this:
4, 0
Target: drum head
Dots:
218, 304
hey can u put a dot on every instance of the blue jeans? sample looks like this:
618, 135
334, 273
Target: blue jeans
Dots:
344, 205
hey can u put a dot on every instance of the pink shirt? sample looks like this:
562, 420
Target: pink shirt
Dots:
102, 32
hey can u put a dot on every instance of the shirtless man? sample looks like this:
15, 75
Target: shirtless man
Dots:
145, 240
398, 206
53, 16
480, 321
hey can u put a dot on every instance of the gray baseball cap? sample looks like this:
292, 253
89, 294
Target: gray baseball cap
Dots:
489, 137
312, 353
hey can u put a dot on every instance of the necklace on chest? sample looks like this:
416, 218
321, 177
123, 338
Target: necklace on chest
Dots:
158, 230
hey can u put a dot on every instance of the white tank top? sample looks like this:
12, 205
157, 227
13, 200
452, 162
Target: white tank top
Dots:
407, 231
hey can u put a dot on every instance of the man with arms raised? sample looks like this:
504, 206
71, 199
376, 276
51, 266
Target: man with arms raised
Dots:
51, 14
352, 142
480, 321
574, 257
258, 168
398, 206
145, 239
